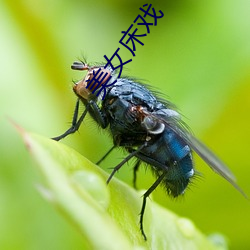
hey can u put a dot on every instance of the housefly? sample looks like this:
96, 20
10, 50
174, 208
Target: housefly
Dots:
149, 128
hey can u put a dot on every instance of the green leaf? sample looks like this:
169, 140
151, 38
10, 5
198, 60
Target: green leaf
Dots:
106, 215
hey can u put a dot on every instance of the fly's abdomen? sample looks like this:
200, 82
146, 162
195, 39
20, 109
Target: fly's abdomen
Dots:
178, 176
170, 155
180, 166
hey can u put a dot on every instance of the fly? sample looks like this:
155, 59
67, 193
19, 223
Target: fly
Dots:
149, 128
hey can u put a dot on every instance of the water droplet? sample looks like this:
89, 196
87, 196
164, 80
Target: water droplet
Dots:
94, 185
187, 227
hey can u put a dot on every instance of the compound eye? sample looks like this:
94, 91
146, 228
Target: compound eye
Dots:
153, 126
96, 77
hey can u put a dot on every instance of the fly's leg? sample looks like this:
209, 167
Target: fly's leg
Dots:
97, 114
93, 109
124, 161
75, 124
135, 169
145, 196
105, 155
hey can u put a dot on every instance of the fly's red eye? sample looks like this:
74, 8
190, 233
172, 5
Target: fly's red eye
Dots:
97, 77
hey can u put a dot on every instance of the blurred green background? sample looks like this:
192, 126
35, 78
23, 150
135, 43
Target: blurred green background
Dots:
198, 55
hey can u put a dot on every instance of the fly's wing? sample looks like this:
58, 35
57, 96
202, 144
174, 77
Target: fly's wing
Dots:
175, 124
212, 160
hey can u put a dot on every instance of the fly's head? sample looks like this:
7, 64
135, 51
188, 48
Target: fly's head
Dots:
83, 88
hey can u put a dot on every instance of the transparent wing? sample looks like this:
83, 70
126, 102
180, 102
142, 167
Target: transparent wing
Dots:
175, 124
208, 156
